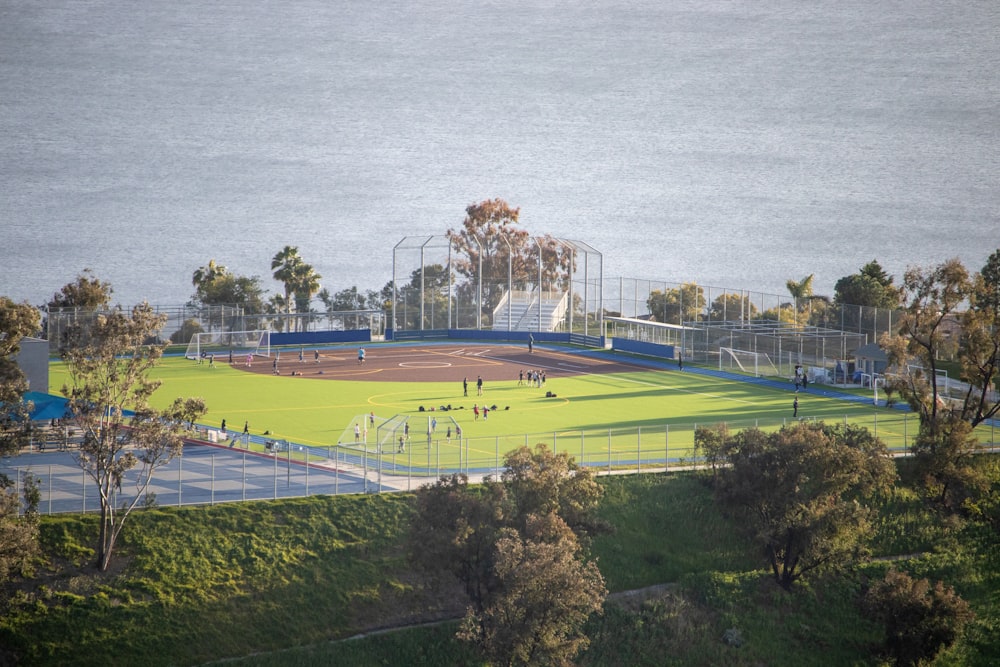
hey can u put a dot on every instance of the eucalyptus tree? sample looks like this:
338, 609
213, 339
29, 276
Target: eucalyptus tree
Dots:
942, 303
734, 307
517, 546
17, 320
125, 440
932, 301
216, 286
18, 530
87, 292
677, 305
80, 299
980, 344
489, 239
800, 493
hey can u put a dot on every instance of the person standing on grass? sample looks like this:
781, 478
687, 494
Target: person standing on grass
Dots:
357, 433
465, 386
475, 411
795, 406
479, 385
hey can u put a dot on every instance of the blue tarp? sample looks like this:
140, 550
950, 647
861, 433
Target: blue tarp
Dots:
46, 406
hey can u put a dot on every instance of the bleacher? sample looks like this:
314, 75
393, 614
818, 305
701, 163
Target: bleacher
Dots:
520, 310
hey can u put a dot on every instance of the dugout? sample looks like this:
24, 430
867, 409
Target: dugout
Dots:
871, 360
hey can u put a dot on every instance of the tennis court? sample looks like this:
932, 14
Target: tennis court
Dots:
203, 475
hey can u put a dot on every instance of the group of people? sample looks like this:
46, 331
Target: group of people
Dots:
534, 378
801, 380
479, 386
302, 359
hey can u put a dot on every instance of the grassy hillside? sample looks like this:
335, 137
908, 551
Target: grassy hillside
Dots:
280, 580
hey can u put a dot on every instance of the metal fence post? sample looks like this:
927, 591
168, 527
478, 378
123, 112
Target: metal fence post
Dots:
609, 451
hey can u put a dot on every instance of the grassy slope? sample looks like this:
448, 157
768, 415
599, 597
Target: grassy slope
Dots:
213, 582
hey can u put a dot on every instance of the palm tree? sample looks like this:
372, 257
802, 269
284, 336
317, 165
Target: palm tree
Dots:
802, 289
207, 274
305, 286
284, 264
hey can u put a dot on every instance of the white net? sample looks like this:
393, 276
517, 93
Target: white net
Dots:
745, 361
225, 344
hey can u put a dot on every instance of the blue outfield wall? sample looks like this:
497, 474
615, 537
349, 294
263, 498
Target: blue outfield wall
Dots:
308, 338
639, 347
496, 336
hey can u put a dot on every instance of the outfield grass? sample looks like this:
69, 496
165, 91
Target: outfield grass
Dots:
619, 420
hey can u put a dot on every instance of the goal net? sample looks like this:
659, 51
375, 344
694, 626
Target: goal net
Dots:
223, 343
745, 361
373, 434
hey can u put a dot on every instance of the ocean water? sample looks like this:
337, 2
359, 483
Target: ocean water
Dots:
735, 144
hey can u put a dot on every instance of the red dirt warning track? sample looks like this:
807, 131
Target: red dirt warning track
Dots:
397, 363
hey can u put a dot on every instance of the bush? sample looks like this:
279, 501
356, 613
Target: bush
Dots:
919, 621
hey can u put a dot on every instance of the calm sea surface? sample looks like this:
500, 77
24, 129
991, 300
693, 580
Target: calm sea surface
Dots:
734, 144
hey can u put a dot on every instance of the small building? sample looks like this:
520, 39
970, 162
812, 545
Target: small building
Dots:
870, 360
33, 360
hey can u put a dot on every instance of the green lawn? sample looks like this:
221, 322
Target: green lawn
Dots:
615, 420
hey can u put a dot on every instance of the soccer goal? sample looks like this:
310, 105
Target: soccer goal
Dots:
223, 343
745, 361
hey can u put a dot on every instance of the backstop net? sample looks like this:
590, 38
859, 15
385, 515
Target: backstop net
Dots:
507, 282
225, 344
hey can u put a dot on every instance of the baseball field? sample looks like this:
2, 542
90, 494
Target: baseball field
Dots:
602, 407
